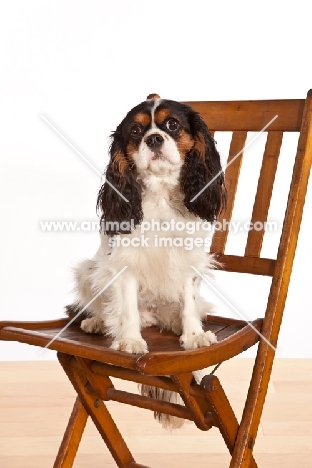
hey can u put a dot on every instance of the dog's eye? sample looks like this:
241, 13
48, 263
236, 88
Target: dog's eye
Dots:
136, 130
172, 125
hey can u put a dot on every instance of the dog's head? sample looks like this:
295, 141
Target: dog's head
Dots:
161, 137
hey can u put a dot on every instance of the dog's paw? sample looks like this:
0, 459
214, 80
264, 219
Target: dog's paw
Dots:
197, 340
130, 346
93, 325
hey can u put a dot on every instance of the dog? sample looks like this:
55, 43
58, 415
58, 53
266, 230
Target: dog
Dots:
164, 185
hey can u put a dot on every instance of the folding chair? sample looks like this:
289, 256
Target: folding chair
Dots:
89, 362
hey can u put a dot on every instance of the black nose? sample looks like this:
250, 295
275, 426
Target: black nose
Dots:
154, 141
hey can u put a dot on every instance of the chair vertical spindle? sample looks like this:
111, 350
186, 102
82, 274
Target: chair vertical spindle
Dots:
231, 180
264, 192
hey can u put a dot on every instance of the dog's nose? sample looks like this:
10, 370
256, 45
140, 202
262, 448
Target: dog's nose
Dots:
154, 141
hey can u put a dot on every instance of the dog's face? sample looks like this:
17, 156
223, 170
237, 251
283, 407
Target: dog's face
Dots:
161, 137
158, 136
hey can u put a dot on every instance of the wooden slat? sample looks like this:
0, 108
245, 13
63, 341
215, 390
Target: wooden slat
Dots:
152, 404
251, 265
231, 180
251, 115
101, 368
264, 192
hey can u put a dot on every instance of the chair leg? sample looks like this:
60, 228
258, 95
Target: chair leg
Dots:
223, 413
198, 407
253, 407
99, 414
70, 443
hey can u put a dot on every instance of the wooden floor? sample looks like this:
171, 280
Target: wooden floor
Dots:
36, 401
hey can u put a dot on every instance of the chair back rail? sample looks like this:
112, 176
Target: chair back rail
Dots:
252, 116
241, 117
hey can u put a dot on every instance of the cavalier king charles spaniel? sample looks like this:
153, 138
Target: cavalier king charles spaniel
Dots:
161, 157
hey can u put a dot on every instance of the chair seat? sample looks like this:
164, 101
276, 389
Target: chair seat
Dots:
165, 352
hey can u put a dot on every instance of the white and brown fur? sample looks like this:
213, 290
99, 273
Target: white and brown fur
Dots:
161, 156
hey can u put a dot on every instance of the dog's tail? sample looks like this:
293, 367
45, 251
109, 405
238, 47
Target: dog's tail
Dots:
166, 420
76, 313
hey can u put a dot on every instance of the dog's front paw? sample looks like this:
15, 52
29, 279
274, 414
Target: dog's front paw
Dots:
93, 325
130, 345
197, 340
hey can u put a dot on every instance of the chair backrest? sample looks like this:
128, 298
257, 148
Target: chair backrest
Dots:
241, 117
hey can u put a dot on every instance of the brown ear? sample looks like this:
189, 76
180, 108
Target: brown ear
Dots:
119, 200
202, 171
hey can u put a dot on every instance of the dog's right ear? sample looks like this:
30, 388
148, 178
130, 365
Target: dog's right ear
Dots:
119, 199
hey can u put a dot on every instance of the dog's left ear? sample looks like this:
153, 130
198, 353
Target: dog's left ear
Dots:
202, 171
119, 199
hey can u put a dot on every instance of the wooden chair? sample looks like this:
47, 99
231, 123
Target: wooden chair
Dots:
89, 362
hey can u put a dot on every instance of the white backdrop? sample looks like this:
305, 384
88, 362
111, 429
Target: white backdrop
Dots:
83, 65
